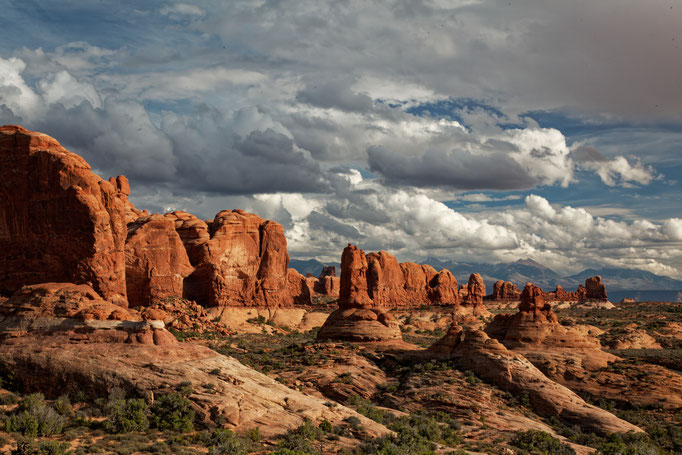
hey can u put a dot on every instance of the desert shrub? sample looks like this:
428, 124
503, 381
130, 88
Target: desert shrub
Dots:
299, 440
9, 398
253, 434
173, 412
415, 434
225, 442
34, 417
40, 448
326, 426
124, 416
629, 444
535, 442
63, 406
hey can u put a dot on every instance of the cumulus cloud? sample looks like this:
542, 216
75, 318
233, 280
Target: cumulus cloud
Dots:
282, 109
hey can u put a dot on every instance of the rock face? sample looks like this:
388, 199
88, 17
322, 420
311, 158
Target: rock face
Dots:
156, 260
594, 289
505, 290
58, 220
123, 188
353, 285
475, 290
357, 318
244, 262
512, 372
407, 285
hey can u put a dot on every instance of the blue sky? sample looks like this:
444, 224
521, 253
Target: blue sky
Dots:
469, 130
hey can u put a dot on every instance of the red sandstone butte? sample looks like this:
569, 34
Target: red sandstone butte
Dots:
59, 222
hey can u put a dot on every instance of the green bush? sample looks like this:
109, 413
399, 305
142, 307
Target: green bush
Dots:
535, 442
299, 440
326, 426
34, 417
225, 442
173, 412
40, 448
124, 416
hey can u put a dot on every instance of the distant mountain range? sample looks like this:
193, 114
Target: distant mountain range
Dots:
528, 270
620, 283
305, 266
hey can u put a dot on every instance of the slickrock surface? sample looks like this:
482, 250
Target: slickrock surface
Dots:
512, 372
156, 260
59, 222
246, 398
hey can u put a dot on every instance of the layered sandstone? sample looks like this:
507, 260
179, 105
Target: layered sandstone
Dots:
244, 262
79, 313
59, 222
156, 260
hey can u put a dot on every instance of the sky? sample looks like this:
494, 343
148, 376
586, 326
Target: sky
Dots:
468, 130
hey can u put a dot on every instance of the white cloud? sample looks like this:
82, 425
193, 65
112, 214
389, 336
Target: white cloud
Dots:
619, 171
181, 9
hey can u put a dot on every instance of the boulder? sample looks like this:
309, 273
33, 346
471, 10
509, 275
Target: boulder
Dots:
156, 260
59, 222
360, 324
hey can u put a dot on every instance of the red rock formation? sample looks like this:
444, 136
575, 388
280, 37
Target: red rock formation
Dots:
386, 283
67, 308
357, 319
393, 285
328, 270
58, 220
300, 287
513, 372
193, 233
353, 285
594, 289
156, 260
328, 285
443, 288
475, 290
505, 291
123, 188
243, 263
581, 293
